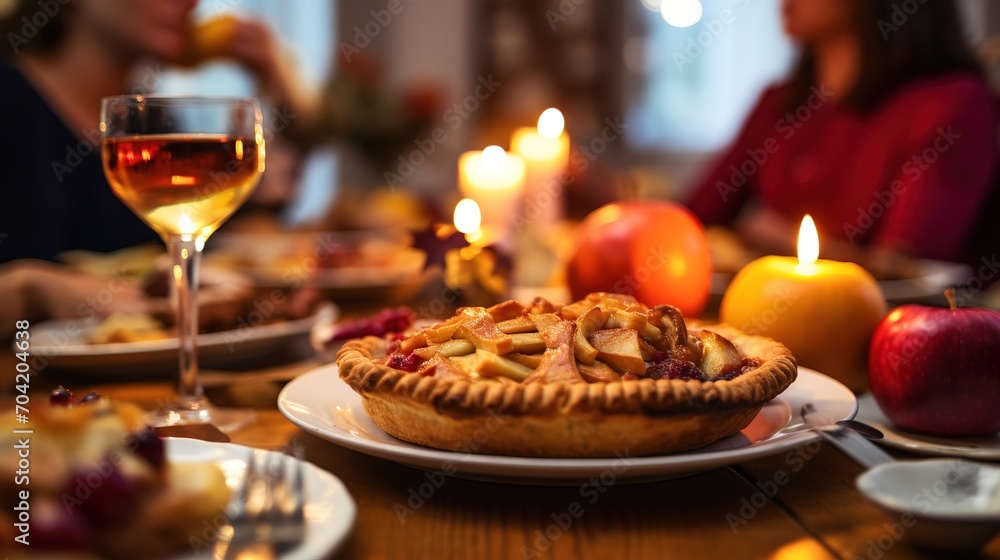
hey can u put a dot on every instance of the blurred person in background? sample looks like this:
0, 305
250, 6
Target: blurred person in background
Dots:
53, 196
885, 134
61, 58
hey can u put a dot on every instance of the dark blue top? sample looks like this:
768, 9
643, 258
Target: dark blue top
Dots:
53, 193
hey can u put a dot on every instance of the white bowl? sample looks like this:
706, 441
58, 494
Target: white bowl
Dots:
943, 504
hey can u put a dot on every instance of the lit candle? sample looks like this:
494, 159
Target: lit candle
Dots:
476, 270
468, 217
824, 311
545, 150
495, 180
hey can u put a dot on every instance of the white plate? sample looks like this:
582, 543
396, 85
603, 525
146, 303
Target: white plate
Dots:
64, 345
970, 448
935, 278
320, 402
329, 509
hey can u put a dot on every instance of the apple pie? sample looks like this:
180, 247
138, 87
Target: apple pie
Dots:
593, 378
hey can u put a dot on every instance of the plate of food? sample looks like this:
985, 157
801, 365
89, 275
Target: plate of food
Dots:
981, 448
343, 264
553, 394
111, 488
144, 343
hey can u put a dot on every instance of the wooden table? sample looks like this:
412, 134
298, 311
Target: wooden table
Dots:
815, 512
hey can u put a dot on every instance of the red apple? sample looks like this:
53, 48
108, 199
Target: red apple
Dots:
654, 250
937, 370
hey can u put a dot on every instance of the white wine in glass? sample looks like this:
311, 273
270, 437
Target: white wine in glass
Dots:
184, 165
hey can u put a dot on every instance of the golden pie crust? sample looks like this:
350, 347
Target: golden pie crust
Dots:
631, 417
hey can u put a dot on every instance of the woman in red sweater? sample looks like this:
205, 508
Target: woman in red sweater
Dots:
886, 134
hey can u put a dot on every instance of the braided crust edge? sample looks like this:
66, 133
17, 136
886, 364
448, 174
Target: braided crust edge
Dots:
566, 420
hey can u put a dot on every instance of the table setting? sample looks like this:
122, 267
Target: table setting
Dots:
306, 489
504, 330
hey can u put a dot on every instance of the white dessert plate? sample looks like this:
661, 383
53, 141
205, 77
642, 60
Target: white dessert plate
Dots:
321, 403
63, 344
329, 509
953, 505
983, 448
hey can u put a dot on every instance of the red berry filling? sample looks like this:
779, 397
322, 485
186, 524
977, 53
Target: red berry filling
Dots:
675, 369
409, 363
385, 322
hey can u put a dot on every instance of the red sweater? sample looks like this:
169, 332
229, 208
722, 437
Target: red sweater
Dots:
911, 174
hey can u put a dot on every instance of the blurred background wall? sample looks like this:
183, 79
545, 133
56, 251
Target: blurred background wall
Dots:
681, 93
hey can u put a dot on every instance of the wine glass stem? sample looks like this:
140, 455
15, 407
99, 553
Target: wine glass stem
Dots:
186, 252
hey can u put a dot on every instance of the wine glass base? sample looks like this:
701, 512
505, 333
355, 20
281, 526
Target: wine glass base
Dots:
188, 412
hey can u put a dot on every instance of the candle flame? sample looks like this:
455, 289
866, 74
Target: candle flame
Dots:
467, 216
808, 241
551, 123
494, 156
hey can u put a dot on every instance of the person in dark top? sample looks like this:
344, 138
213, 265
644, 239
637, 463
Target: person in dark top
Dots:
886, 135
62, 58
53, 193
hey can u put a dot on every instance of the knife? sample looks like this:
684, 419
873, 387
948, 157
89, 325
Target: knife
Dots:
850, 437
855, 446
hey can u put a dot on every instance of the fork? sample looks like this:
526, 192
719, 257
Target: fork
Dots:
285, 516
266, 516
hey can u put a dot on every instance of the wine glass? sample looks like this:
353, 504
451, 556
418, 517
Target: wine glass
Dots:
184, 165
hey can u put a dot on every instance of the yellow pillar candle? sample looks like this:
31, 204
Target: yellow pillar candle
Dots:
495, 180
545, 151
824, 311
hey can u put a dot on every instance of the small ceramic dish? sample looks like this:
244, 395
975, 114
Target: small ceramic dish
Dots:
946, 505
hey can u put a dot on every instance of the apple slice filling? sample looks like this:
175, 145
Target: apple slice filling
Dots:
603, 338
